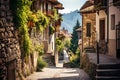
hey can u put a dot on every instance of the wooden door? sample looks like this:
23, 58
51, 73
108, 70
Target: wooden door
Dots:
102, 29
11, 70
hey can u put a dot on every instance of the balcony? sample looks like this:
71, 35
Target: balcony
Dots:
100, 4
116, 2
49, 12
59, 6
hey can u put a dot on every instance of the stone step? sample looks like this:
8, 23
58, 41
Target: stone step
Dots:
108, 66
107, 77
108, 72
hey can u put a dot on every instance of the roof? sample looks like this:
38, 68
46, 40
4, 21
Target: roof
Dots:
87, 4
79, 29
54, 2
59, 6
87, 7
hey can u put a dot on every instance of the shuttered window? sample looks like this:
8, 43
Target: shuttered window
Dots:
88, 28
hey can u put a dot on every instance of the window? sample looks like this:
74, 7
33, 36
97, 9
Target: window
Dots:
113, 22
88, 28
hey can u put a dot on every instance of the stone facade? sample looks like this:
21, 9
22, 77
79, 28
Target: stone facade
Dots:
12, 64
89, 41
9, 44
88, 25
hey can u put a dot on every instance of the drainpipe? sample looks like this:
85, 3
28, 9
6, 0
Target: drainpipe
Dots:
107, 25
107, 21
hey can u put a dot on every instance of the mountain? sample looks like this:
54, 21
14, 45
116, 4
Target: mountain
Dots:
70, 19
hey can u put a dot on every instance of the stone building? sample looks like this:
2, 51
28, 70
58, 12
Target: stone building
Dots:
107, 20
114, 28
88, 25
12, 63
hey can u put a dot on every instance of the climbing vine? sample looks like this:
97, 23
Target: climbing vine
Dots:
25, 19
42, 21
51, 30
59, 44
56, 16
21, 11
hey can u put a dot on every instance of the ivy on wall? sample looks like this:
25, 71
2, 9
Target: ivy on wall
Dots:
21, 11
42, 22
59, 44
55, 15
51, 30
24, 18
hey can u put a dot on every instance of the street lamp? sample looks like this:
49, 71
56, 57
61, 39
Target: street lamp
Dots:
97, 48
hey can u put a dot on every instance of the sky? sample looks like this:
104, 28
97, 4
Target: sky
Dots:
71, 5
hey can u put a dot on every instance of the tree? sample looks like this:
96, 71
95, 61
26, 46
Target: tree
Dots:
74, 40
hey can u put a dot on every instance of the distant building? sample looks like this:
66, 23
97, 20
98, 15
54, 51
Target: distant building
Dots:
64, 32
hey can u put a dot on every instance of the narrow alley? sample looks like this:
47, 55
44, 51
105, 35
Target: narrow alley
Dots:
59, 73
59, 39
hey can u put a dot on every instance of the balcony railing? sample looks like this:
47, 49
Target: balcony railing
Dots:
116, 2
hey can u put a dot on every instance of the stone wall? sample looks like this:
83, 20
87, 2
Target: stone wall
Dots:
89, 18
13, 65
87, 65
112, 48
9, 45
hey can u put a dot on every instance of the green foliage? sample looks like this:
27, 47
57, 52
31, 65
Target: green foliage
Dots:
26, 45
67, 43
41, 64
21, 10
51, 30
75, 59
42, 21
40, 49
59, 44
74, 40
61, 19
87, 66
39, 19
56, 16
22, 16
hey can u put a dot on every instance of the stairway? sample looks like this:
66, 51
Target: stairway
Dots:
108, 72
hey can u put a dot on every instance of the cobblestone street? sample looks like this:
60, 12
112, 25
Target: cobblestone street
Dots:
59, 73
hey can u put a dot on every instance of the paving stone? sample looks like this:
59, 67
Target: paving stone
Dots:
59, 73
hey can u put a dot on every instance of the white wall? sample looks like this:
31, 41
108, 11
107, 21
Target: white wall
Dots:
116, 11
52, 44
101, 15
49, 6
